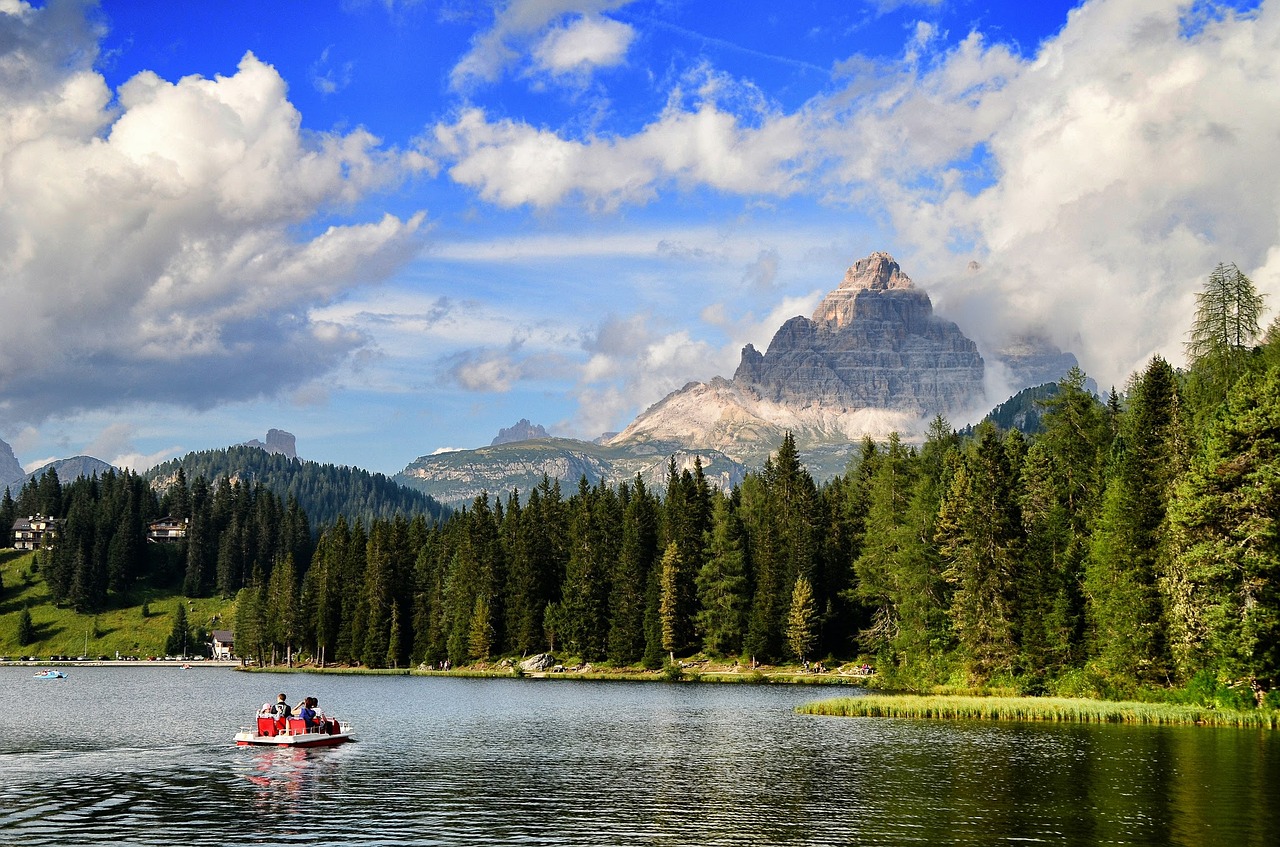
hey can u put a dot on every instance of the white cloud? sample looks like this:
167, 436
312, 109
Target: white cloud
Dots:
518, 24
586, 43
150, 245
513, 164
1129, 159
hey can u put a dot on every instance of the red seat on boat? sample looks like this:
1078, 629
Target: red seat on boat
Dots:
297, 726
266, 726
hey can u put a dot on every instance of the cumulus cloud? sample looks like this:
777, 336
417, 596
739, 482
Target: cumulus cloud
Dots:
1098, 181
522, 25
151, 244
511, 163
585, 44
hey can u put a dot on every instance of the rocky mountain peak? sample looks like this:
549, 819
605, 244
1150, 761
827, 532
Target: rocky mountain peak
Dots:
278, 441
521, 430
873, 343
867, 278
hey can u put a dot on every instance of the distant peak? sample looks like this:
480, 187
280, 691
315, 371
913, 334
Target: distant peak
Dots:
521, 430
877, 272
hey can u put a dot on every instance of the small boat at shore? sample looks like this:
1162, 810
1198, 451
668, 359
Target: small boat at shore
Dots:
50, 674
271, 731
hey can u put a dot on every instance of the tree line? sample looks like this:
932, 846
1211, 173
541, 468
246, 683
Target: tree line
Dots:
1126, 544
235, 533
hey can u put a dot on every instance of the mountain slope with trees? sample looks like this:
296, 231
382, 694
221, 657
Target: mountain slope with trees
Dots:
323, 491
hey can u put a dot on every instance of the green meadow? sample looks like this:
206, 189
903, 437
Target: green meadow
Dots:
137, 627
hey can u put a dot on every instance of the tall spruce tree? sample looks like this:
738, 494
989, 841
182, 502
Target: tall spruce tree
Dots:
979, 534
1223, 584
722, 584
1130, 545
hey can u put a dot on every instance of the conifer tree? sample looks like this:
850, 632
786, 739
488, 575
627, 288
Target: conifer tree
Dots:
629, 586
722, 584
979, 535
669, 604
1223, 584
1129, 548
180, 636
26, 633
802, 620
1228, 319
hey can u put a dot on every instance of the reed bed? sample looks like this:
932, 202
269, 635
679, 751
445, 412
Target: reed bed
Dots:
1051, 709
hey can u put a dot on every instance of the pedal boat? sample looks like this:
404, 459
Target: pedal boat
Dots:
50, 674
293, 732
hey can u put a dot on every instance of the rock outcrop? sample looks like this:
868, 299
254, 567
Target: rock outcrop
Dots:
278, 441
873, 343
11, 473
521, 430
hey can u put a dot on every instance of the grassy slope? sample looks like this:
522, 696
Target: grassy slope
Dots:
63, 632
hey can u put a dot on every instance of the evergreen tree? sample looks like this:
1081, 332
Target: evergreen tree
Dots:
802, 620
669, 604
722, 584
889, 550
629, 585
8, 515
1228, 319
26, 633
180, 636
979, 535
1223, 585
1062, 485
202, 545
283, 624
1129, 548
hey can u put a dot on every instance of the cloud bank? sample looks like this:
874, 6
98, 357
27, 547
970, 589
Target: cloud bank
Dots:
154, 241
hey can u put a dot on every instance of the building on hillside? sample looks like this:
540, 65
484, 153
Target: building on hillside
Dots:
223, 644
35, 532
167, 529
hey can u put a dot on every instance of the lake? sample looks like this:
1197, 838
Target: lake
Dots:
137, 756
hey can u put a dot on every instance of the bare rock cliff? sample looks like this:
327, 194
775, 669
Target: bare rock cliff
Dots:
873, 343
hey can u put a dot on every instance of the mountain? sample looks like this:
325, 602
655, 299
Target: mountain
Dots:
521, 430
873, 359
278, 441
458, 477
10, 468
873, 343
67, 470
1023, 411
323, 491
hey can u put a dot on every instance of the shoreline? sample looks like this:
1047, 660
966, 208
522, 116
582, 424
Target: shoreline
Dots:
122, 663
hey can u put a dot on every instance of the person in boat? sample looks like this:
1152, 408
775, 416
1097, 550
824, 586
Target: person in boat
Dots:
282, 711
308, 713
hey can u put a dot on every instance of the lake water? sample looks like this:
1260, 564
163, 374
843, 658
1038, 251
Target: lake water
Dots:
139, 756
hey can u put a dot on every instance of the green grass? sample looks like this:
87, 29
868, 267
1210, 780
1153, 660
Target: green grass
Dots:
64, 632
1052, 709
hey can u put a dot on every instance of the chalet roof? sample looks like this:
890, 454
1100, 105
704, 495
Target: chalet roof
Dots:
226, 636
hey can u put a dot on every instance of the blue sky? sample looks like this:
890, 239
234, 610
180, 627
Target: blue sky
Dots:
394, 227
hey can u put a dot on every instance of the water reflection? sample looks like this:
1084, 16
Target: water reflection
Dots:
444, 761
